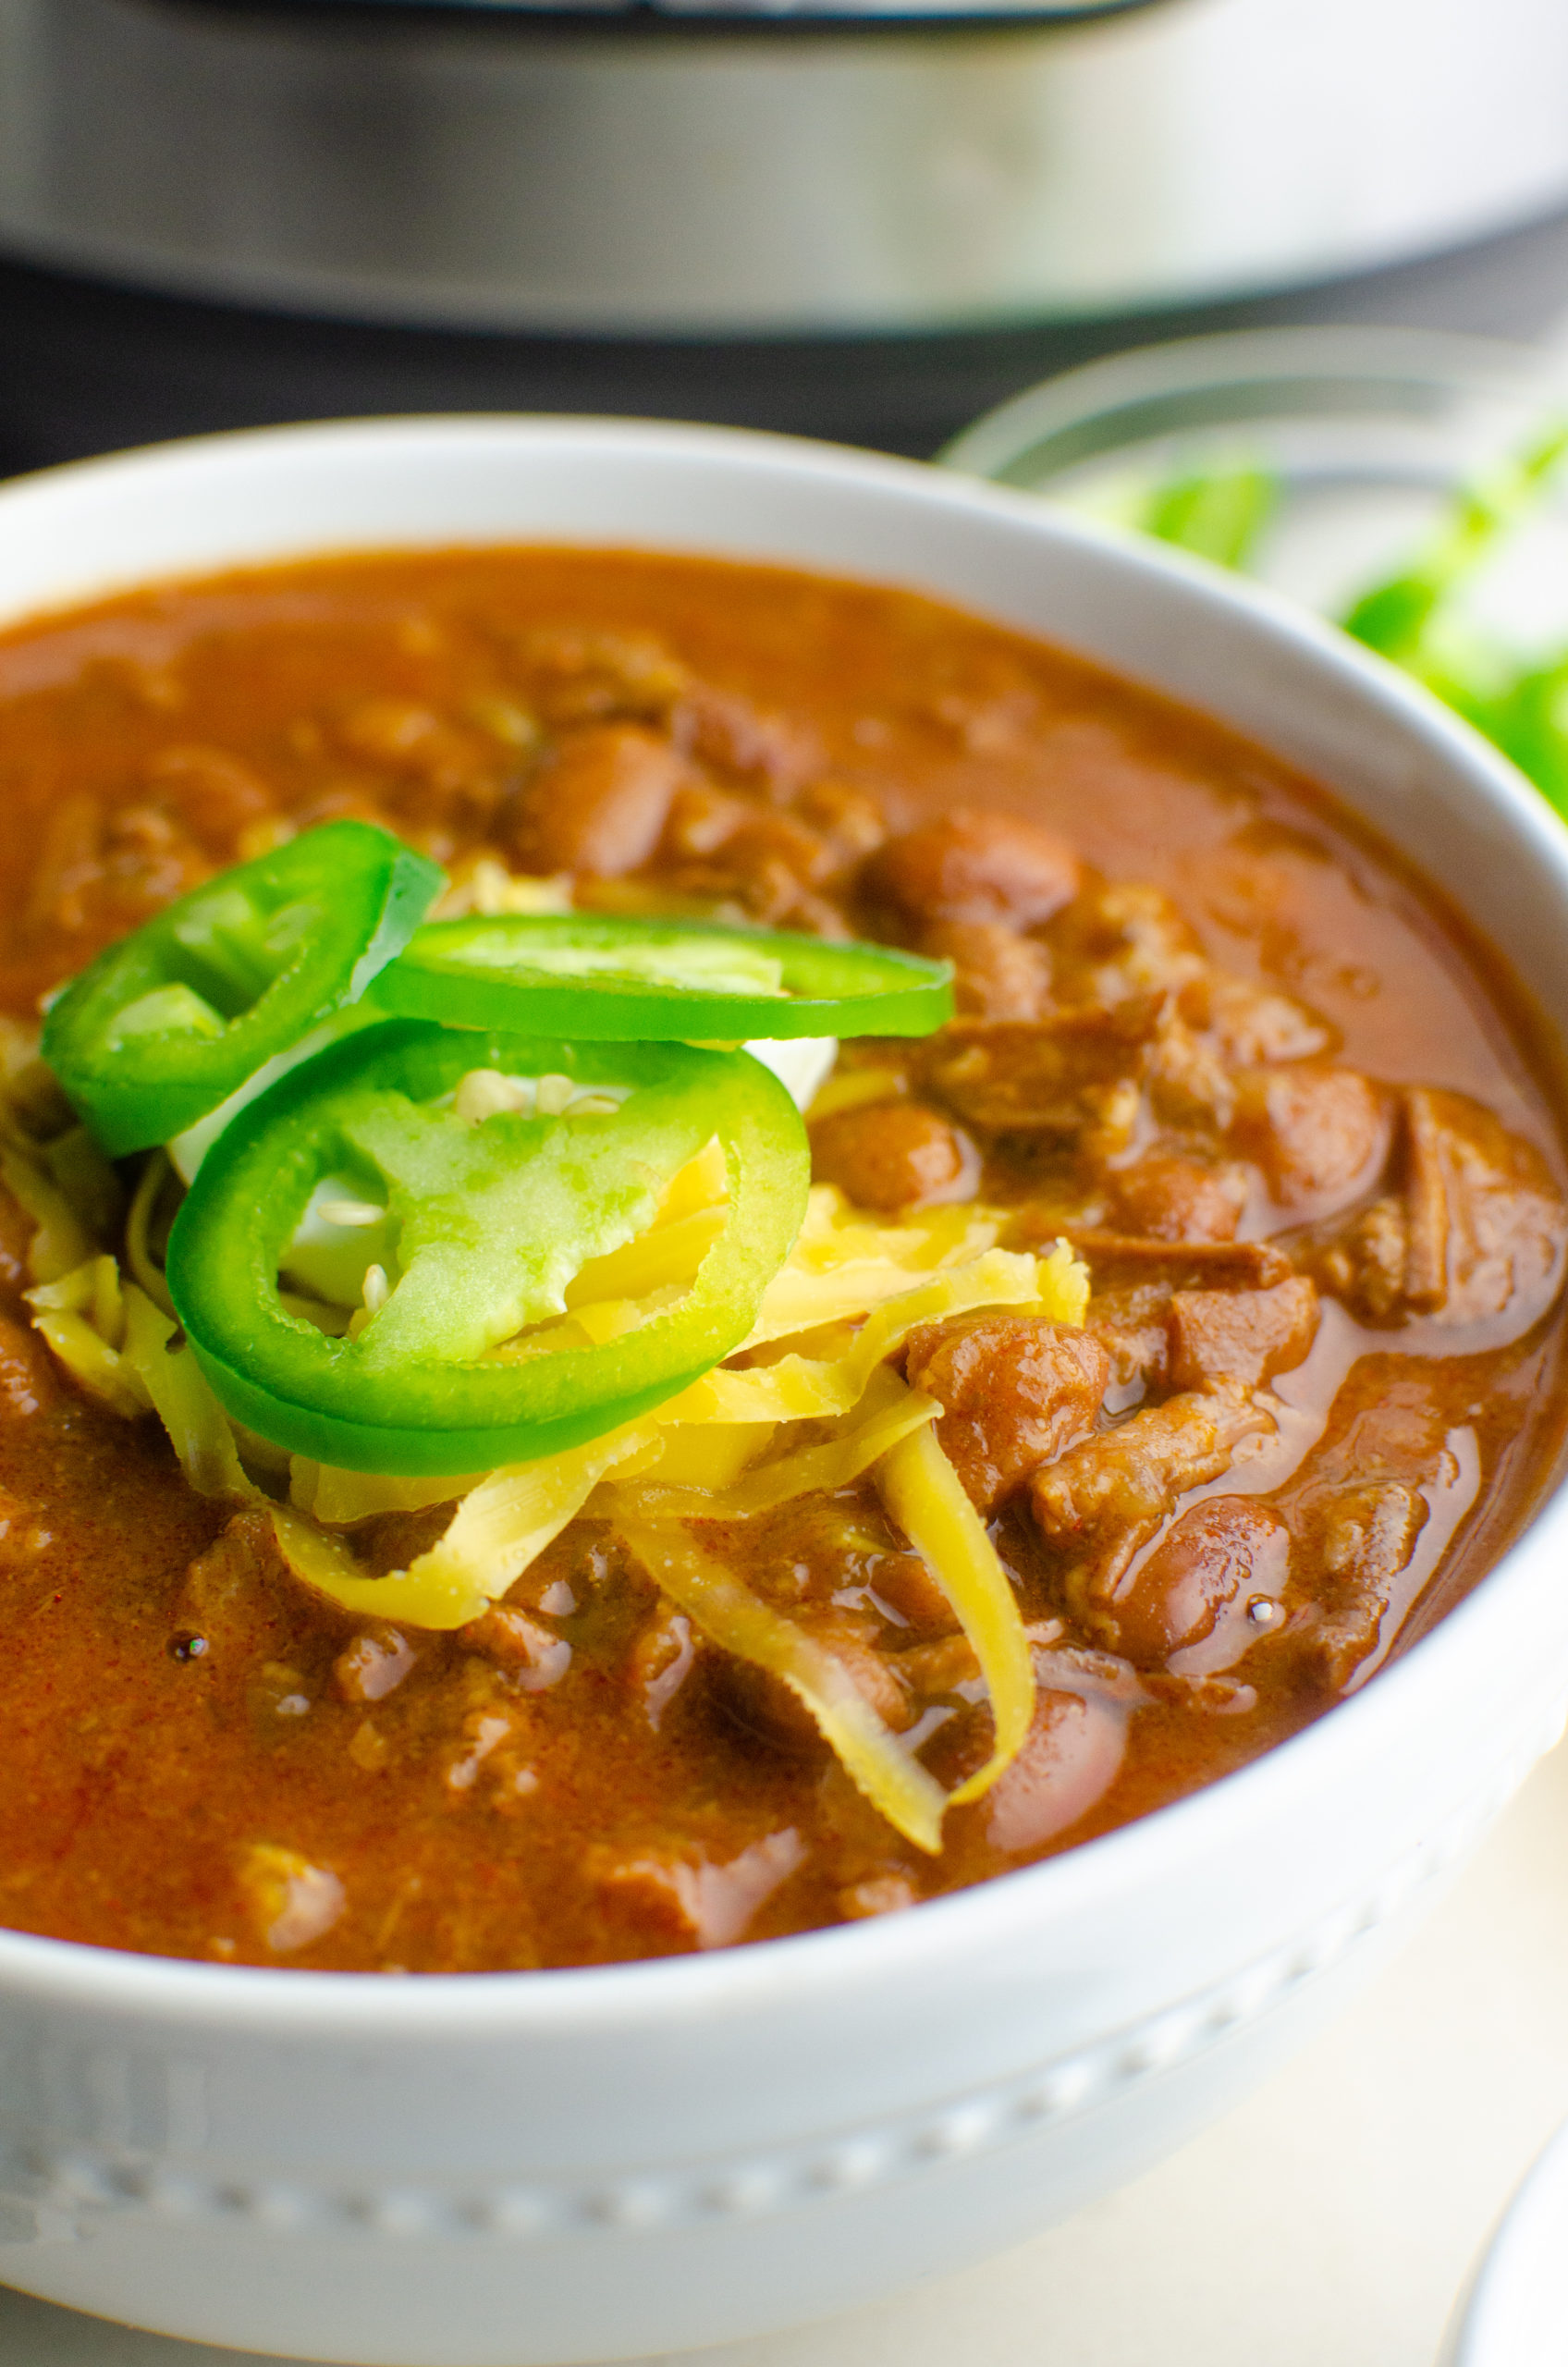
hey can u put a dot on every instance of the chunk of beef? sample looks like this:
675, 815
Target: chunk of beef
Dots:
599, 804
685, 1900
237, 1595
767, 1707
1015, 1390
1137, 1341
895, 1155
1372, 1510
1116, 1258
1109, 1495
1173, 1198
1246, 1336
585, 677
1214, 1579
973, 865
1321, 1135
997, 974
1487, 1224
1062, 1075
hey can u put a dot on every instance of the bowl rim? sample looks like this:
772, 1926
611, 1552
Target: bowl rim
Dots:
459, 2007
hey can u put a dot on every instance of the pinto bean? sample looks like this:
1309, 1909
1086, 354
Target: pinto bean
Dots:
1016, 1392
599, 805
973, 865
1070, 1759
1171, 1199
1320, 1134
1240, 1335
1199, 1584
895, 1155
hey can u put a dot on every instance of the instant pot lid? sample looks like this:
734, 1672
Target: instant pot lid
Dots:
772, 14
721, 168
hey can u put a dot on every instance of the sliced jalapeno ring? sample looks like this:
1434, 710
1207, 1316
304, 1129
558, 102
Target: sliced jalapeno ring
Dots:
486, 1171
169, 1022
600, 975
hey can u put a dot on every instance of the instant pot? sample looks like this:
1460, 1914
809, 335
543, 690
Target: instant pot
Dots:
804, 213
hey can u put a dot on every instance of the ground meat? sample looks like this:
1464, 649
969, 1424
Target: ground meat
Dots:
1366, 1265
726, 731
1240, 1335
997, 974
1252, 1026
973, 865
1214, 1579
1107, 1496
660, 1661
532, 1654
373, 1664
579, 677
892, 1155
1113, 944
599, 804
211, 794
1016, 1392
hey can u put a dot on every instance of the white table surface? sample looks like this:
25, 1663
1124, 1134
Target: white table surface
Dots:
1329, 2221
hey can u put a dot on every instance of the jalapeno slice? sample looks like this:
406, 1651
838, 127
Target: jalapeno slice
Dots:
165, 1025
602, 975
485, 1219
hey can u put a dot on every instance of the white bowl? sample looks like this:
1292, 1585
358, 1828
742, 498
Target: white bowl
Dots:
498, 2169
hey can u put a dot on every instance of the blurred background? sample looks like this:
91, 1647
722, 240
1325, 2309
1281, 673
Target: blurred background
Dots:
867, 219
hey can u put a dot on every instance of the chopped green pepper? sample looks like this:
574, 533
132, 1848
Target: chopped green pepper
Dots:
593, 974
485, 1219
165, 1025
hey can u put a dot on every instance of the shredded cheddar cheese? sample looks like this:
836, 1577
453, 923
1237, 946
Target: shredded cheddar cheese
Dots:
811, 1402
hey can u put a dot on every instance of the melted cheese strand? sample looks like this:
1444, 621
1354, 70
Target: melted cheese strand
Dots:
895, 1411
196, 1423
500, 1528
740, 1622
926, 1498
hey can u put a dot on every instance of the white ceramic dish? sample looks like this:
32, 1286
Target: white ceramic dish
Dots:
494, 2170
1515, 2313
